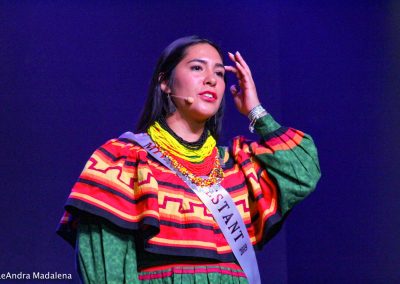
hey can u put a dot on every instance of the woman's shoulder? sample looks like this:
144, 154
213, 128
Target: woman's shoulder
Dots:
120, 148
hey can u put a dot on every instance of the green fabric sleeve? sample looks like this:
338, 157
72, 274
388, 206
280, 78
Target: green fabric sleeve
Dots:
105, 255
294, 166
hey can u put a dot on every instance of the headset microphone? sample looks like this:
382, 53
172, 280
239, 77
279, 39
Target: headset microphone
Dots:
189, 100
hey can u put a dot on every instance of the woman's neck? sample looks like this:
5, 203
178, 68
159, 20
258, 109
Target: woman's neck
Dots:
188, 131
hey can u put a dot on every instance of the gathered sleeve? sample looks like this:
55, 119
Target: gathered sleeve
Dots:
117, 185
280, 170
288, 155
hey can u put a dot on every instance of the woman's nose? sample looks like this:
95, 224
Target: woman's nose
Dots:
210, 80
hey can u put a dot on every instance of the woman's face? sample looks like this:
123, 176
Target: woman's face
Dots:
200, 76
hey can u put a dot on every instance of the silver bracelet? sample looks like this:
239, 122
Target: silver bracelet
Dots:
256, 113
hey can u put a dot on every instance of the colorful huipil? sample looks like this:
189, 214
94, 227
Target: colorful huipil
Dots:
132, 220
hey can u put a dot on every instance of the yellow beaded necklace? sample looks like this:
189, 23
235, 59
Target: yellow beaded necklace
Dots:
161, 138
167, 142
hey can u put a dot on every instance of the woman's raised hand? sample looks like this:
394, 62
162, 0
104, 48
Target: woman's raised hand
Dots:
244, 92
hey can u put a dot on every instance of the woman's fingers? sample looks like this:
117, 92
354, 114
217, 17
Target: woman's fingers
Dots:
242, 72
234, 90
244, 93
237, 58
231, 56
242, 62
230, 69
241, 66
233, 70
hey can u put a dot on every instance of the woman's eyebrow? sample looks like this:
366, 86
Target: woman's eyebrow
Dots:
205, 62
220, 65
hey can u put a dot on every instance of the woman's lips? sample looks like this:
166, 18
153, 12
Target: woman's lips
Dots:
208, 96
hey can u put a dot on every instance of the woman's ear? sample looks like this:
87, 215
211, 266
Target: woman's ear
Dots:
163, 84
164, 87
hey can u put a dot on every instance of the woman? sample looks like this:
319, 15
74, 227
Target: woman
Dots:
135, 217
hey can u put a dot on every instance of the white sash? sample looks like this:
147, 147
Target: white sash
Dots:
220, 204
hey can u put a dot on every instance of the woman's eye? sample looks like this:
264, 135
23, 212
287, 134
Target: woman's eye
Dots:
220, 74
196, 68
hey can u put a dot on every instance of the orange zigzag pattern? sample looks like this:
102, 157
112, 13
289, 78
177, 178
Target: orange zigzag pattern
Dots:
192, 205
104, 171
149, 175
180, 202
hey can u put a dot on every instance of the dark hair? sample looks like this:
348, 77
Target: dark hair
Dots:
156, 105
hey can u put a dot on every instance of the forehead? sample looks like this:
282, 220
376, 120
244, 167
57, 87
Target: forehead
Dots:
202, 51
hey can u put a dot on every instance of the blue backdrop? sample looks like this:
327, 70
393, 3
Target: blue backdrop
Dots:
73, 75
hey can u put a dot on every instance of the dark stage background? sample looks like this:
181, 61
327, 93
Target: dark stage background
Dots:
73, 75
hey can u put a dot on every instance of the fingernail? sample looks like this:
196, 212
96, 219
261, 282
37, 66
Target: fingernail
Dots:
230, 53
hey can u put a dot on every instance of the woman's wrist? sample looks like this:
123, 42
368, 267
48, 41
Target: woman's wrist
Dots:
254, 114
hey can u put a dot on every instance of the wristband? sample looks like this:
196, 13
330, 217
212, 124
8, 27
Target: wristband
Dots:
256, 113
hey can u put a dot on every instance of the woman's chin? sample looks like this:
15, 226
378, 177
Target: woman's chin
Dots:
205, 117
198, 115
204, 114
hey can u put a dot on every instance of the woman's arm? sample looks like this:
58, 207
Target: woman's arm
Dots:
288, 155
